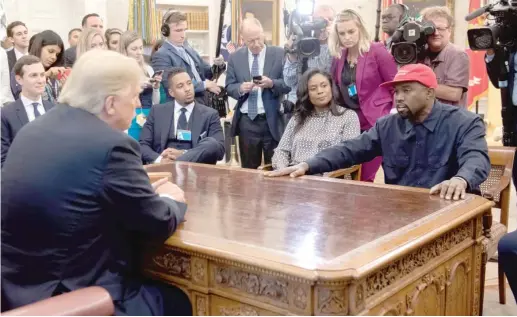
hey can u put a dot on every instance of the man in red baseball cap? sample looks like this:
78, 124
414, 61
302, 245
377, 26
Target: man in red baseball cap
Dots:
427, 144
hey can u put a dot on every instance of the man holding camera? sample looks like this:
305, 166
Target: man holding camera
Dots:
449, 62
391, 19
322, 61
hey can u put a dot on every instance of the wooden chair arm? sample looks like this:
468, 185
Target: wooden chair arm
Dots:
265, 167
343, 172
500, 186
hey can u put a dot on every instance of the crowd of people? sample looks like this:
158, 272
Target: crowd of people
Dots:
94, 127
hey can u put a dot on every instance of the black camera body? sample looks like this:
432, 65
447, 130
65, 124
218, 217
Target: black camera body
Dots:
306, 34
410, 40
503, 32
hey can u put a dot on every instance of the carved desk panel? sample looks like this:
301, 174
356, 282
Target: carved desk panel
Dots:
313, 246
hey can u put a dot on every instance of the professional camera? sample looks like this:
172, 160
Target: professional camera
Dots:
306, 33
503, 32
410, 40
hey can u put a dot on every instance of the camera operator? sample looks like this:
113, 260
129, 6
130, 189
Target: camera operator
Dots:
392, 18
322, 61
449, 62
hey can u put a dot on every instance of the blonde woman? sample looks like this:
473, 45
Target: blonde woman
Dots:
90, 39
358, 68
132, 45
113, 39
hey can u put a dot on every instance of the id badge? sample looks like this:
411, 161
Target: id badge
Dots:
352, 90
184, 135
141, 119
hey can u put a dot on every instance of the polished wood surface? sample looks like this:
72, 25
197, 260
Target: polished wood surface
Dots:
350, 240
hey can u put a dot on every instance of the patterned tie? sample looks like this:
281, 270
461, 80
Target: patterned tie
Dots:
252, 99
182, 120
189, 60
36, 112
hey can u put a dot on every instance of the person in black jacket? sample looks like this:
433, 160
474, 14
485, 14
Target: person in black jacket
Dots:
74, 181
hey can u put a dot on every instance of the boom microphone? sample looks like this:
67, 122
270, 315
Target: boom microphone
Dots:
474, 14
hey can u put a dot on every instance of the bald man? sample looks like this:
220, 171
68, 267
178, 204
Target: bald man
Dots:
254, 78
322, 61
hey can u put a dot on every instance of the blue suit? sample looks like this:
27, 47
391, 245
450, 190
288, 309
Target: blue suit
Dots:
207, 134
78, 189
168, 56
238, 72
14, 117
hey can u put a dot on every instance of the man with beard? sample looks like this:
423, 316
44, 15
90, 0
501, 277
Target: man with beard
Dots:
427, 144
182, 129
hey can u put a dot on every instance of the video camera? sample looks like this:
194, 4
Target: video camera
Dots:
501, 33
306, 33
409, 41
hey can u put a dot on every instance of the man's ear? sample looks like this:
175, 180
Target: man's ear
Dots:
19, 79
171, 93
109, 106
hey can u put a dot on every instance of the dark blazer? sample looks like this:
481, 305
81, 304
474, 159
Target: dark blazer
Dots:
239, 72
70, 56
13, 118
78, 189
493, 70
11, 57
167, 57
156, 130
373, 68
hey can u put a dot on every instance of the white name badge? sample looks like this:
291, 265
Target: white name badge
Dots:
184, 135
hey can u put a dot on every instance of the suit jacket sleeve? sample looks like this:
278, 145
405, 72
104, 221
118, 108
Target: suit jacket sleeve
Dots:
215, 131
146, 139
279, 86
232, 85
160, 61
6, 136
386, 64
126, 189
472, 153
363, 148
493, 68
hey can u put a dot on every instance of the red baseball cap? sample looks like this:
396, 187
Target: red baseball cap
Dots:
414, 72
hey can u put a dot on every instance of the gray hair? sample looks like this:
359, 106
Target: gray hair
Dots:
97, 75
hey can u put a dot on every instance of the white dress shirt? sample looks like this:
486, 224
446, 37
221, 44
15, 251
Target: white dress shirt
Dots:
29, 108
261, 61
177, 113
5, 80
18, 54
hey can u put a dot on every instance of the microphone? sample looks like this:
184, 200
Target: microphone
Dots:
474, 14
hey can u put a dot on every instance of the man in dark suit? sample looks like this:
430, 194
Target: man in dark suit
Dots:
18, 34
91, 20
175, 52
183, 129
74, 180
30, 74
257, 119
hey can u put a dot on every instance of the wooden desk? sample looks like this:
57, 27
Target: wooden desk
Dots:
253, 246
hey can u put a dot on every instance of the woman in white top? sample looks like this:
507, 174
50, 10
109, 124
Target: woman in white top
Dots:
132, 45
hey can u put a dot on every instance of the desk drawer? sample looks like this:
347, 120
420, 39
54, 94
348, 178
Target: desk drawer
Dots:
220, 306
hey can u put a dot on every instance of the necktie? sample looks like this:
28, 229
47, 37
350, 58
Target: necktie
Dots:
182, 120
36, 112
252, 99
189, 60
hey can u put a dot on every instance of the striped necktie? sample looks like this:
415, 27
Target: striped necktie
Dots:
252, 99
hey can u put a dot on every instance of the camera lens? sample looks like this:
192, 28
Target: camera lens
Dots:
404, 53
309, 47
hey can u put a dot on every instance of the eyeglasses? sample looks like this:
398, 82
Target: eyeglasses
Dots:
441, 29
387, 17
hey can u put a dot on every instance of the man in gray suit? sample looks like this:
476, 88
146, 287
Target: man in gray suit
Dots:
254, 77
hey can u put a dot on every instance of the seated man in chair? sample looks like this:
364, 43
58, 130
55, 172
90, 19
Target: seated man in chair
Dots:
427, 144
183, 129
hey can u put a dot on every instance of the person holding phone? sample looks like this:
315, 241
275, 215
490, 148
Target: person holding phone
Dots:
132, 45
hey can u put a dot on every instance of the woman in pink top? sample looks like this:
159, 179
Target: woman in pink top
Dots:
358, 68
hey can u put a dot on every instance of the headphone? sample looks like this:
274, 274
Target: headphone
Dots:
405, 13
165, 29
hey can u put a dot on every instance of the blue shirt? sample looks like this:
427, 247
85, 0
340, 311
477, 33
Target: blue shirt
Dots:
450, 142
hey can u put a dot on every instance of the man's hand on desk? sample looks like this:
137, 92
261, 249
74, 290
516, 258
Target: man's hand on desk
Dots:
293, 171
164, 187
170, 155
454, 189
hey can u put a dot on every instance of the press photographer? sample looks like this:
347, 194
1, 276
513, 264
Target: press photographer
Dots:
323, 15
428, 42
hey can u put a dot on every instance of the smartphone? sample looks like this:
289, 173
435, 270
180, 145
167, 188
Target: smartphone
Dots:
257, 79
158, 73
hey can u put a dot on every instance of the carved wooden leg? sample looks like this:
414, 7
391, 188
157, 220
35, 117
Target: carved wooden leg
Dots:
502, 286
484, 259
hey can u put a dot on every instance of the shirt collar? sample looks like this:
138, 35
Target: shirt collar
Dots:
431, 121
189, 107
440, 57
174, 45
18, 54
260, 55
27, 102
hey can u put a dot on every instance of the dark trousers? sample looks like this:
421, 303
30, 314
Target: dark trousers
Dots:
507, 250
255, 138
205, 152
